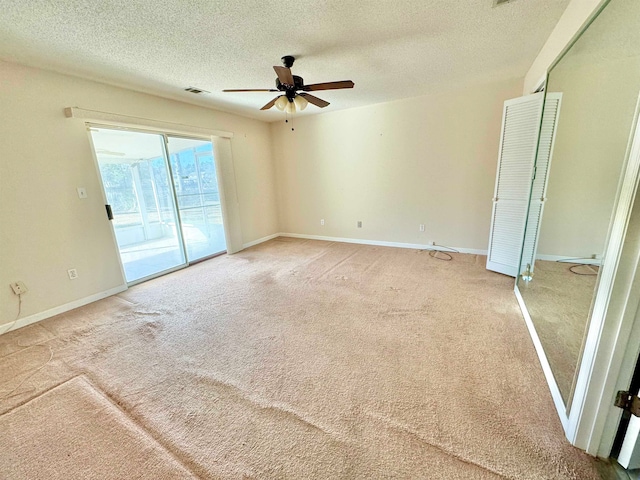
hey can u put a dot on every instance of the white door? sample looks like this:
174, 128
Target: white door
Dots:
540, 179
518, 144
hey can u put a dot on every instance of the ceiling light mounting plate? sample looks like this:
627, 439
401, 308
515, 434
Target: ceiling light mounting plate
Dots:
196, 90
288, 60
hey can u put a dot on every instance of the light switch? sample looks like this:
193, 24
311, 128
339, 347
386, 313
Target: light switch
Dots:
82, 192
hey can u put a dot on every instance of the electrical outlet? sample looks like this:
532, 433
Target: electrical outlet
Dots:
359, 223
73, 274
421, 227
18, 287
322, 221
82, 192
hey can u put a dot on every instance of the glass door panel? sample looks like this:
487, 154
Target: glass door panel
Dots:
136, 181
198, 197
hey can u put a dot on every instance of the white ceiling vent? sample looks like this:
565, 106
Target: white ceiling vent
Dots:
197, 91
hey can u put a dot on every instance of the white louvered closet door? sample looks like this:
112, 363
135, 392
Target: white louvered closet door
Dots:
540, 179
519, 140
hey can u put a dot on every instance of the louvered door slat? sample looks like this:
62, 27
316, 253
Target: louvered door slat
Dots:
519, 139
540, 181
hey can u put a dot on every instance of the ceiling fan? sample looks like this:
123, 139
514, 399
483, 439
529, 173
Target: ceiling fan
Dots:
291, 85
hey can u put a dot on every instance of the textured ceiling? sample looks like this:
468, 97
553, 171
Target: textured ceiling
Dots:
390, 49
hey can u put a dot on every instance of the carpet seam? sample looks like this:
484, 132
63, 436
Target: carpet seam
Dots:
325, 272
85, 377
27, 400
416, 435
22, 349
121, 409
265, 404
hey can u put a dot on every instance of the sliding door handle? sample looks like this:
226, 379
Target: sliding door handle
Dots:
109, 212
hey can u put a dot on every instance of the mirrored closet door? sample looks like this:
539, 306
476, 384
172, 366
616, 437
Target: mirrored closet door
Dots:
598, 79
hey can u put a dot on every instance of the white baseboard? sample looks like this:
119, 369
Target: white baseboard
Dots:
36, 317
260, 240
421, 246
565, 259
381, 243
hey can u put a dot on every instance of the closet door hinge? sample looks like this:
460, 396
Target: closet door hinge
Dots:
629, 403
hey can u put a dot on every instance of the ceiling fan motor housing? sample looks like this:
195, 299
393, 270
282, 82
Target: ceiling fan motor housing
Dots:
290, 91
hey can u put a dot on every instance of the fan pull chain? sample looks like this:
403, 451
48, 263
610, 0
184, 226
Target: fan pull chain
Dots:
286, 120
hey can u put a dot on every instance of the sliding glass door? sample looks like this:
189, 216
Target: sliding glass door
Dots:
198, 197
164, 198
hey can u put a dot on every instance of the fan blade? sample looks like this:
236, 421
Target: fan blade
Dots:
328, 86
270, 104
284, 75
253, 90
318, 102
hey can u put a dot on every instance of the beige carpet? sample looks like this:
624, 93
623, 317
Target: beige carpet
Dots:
293, 359
72, 431
559, 303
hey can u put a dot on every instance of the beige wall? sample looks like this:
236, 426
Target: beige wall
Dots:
587, 158
578, 12
45, 229
600, 80
429, 160
598, 104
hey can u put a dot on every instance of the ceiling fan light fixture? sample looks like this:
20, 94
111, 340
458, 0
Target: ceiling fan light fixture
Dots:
291, 107
300, 102
290, 84
282, 102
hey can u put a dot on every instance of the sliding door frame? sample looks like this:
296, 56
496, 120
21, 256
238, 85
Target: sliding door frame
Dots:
175, 193
165, 134
105, 202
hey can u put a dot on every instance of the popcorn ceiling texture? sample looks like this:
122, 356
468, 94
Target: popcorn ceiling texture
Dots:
292, 359
391, 50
